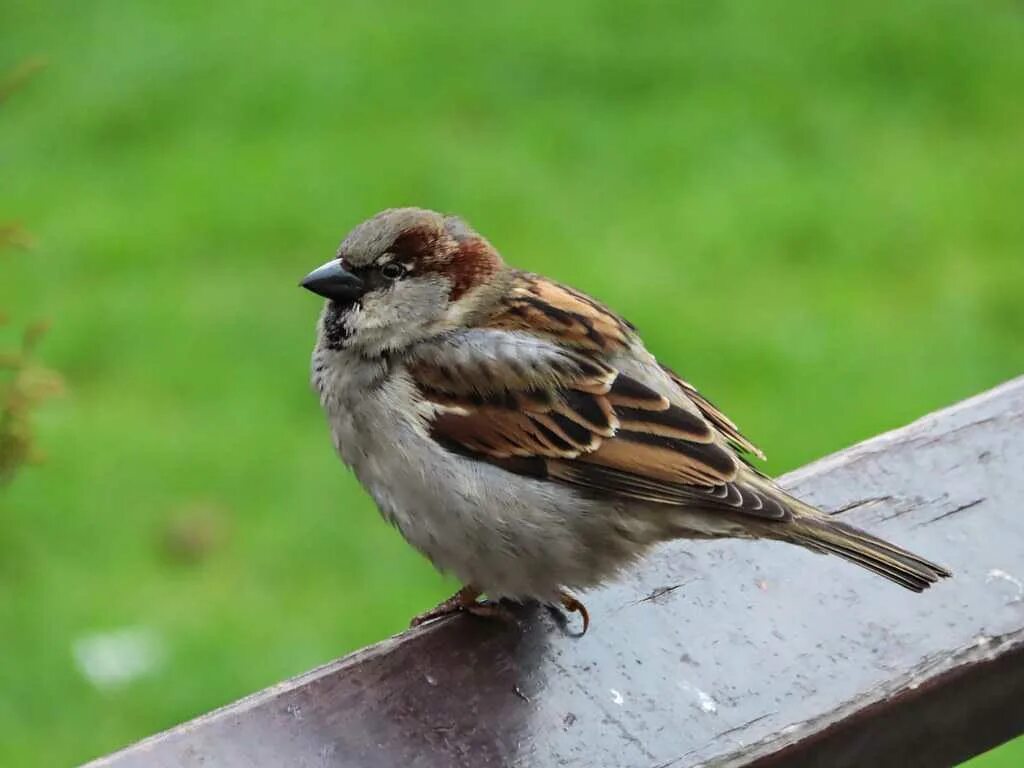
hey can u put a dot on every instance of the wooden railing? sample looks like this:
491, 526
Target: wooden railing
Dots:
725, 654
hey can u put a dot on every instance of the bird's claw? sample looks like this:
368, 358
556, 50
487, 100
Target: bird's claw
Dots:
573, 605
457, 603
464, 601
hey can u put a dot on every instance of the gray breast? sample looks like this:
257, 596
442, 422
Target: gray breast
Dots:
505, 534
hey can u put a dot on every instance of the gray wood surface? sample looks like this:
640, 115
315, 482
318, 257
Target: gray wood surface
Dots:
731, 653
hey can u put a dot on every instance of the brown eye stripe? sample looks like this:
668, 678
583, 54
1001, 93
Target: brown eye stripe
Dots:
466, 263
414, 244
471, 265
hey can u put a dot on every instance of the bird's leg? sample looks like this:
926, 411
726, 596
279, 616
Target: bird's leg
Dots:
573, 605
463, 601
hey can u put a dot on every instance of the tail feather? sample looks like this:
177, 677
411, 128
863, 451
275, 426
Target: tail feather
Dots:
812, 528
877, 555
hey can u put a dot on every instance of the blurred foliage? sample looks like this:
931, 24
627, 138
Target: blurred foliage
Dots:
17, 77
23, 383
812, 211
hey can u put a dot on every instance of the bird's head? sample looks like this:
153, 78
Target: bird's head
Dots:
404, 275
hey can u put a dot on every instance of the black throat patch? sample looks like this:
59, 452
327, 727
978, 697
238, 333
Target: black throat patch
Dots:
336, 334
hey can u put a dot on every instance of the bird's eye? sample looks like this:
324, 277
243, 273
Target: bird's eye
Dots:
392, 270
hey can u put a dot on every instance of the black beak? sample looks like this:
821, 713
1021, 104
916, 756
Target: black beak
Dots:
332, 281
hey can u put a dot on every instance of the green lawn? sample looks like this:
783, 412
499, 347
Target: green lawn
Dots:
813, 212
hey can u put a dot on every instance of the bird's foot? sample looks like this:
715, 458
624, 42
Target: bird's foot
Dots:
464, 601
573, 605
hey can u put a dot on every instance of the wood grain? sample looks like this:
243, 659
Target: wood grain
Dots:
725, 654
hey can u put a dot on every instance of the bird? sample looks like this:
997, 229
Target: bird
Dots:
518, 433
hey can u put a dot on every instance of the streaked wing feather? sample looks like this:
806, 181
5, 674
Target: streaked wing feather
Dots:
711, 412
509, 395
540, 306
728, 497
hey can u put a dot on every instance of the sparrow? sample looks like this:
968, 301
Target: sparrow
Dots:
519, 434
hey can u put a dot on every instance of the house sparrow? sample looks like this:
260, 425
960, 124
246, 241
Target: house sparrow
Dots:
519, 434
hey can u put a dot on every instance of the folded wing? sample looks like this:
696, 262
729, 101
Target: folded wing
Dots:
563, 414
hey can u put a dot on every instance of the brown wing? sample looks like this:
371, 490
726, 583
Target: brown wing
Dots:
720, 421
539, 306
531, 407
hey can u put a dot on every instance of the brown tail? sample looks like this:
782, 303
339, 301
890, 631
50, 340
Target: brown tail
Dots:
820, 532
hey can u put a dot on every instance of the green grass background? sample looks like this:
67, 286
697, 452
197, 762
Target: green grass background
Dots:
814, 211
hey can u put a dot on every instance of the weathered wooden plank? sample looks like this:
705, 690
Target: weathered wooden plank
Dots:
732, 653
